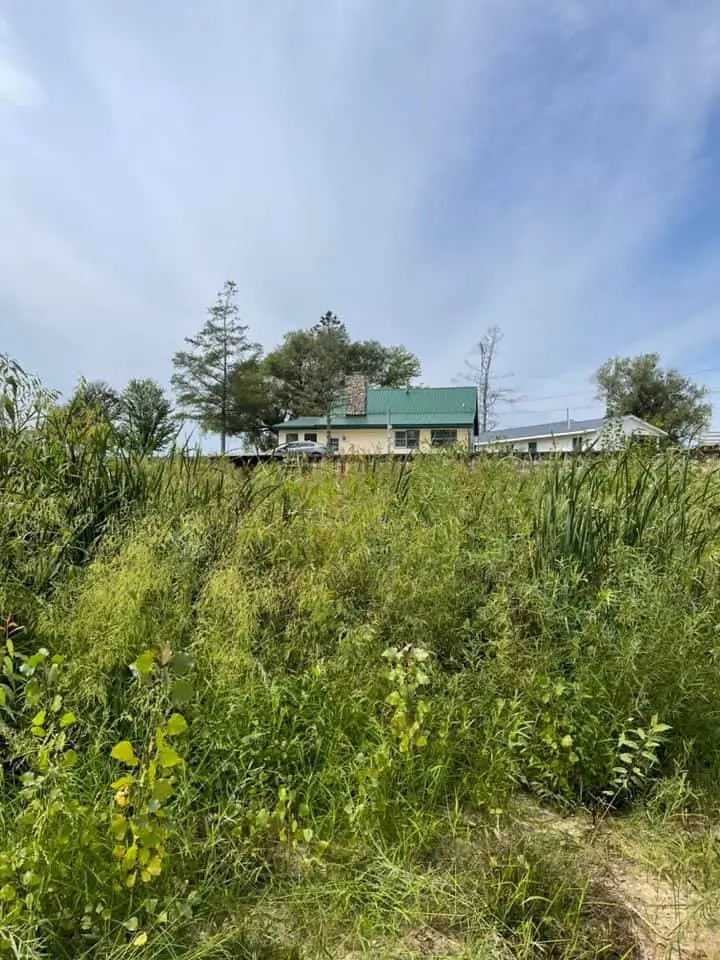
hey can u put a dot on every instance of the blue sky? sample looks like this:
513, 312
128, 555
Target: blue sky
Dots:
423, 169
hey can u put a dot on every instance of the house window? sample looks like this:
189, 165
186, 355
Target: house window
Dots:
577, 444
443, 438
407, 439
334, 445
312, 437
291, 438
532, 447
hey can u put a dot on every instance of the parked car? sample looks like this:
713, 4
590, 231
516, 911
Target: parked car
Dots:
307, 449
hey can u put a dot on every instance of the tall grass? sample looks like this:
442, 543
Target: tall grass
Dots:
374, 668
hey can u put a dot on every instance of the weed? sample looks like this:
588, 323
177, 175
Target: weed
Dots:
264, 779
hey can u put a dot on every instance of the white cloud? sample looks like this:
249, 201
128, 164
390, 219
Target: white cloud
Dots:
17, 87
424, 169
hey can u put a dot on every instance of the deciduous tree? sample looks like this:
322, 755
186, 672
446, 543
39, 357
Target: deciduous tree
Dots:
665, 398
481, 372
147, 422
308, 370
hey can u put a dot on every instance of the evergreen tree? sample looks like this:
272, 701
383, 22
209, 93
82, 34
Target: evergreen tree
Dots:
203, 378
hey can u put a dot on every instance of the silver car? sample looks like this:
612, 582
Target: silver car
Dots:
301, 449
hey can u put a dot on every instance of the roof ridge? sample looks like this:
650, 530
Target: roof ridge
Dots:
411, 386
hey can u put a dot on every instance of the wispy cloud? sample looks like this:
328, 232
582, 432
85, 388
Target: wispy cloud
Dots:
424, 169
17, 89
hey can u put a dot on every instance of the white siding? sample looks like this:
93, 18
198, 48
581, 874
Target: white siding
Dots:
597, 439
558, 444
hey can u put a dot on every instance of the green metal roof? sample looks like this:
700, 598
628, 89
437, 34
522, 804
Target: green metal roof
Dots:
412, 407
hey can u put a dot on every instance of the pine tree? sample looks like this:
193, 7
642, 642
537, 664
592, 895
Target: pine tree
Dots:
204, 374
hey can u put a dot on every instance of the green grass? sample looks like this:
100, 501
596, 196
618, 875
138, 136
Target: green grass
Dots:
555, 638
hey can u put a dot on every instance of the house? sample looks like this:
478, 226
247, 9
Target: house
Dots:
382, 420
568, 436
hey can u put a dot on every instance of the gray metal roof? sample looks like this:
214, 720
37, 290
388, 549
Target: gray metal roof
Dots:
554, 429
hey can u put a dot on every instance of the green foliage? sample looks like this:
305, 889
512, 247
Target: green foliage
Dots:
638, 754
97, 400
237, 706
146, 421
638, 385
407, 675
203, 378
139, 823
307, 371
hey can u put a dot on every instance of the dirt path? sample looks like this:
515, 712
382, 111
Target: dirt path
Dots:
668, 918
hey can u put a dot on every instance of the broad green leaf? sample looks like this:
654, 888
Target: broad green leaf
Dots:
122, 783
33, 693
149, 838
144, 662
162, 790
39, 719
181, 692
119, 827
38, 731
56, 703
124, 752
132, 924
141, 939
67, 720
181, 663
176, 725
167, 757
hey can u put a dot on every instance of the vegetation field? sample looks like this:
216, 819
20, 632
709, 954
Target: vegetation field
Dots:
423, 710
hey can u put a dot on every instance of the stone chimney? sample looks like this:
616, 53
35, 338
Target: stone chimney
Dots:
355, 395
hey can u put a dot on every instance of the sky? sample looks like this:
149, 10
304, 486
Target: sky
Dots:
422, 169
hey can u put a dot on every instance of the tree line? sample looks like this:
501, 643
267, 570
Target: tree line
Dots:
227, 384
623, 385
